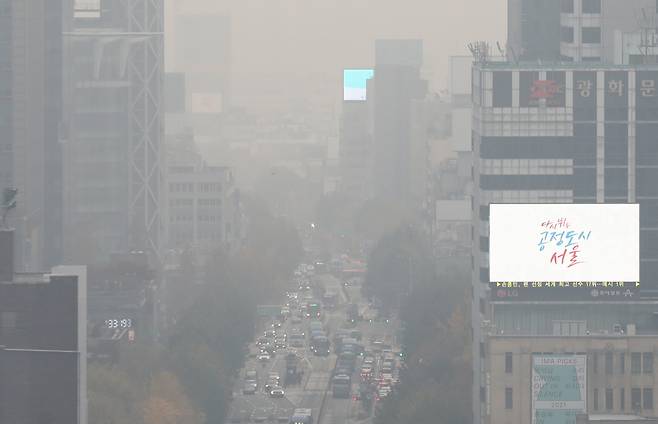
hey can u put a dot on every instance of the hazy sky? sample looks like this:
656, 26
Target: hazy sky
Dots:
321, 37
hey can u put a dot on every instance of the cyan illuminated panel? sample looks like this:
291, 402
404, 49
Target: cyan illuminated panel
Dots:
354, 83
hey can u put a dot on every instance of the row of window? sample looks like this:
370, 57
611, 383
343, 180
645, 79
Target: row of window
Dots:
588, 6
526, 166
588, 35
641, 398
200, 187
188, 218
190, 202
641, 363
180, 238
526, 196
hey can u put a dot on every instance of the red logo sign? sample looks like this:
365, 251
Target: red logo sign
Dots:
544, 89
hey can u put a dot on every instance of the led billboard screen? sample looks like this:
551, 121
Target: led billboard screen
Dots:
354, 83
564, 242
559, 388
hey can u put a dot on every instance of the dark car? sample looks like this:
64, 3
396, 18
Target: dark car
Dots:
249, 388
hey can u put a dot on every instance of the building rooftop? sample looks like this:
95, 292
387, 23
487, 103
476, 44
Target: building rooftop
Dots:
542, 66
618, 417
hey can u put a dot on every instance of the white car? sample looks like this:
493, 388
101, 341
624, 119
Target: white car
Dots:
277, 392
264, 357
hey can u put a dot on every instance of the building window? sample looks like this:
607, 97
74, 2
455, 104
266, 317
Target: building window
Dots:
8, 319
635, 399
509, 402
622, 363
636, 359
591, 35
567, 34
591, 6
608, 400
508, 362
595, 395
608, 363
647, 363
622, 399
647, 399
567, 6
595, 363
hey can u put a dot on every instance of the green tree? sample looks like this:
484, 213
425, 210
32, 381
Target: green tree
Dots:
399, 261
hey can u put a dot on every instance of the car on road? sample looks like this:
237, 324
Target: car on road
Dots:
249, 388
271, 383
251, 375
277, 392
260, 415
366, 371
264, 357
282, 416
273, 375
270, 334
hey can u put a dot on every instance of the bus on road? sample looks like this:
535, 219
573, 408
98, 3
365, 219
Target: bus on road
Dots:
342, 386
302, 416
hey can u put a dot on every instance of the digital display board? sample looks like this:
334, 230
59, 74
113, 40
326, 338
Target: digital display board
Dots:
559, 388
354, 83
547, 291
564, 242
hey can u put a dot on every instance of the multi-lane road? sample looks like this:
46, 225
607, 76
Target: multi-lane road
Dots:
314, 390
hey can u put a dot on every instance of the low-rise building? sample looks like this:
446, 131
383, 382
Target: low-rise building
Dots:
531, 378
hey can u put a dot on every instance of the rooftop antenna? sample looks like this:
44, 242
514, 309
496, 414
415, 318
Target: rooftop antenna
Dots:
648, 37
480, 51
513, 53
500, 49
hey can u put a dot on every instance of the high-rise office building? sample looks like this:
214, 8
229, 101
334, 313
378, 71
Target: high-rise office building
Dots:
593, 30
114, 128
31, 52
608, 31
560, 134
533, 30
400, 144
355, 138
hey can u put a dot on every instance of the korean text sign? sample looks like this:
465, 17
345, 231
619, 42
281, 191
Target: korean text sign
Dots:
564, 242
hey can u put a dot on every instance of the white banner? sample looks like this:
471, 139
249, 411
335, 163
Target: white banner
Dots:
564, 242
